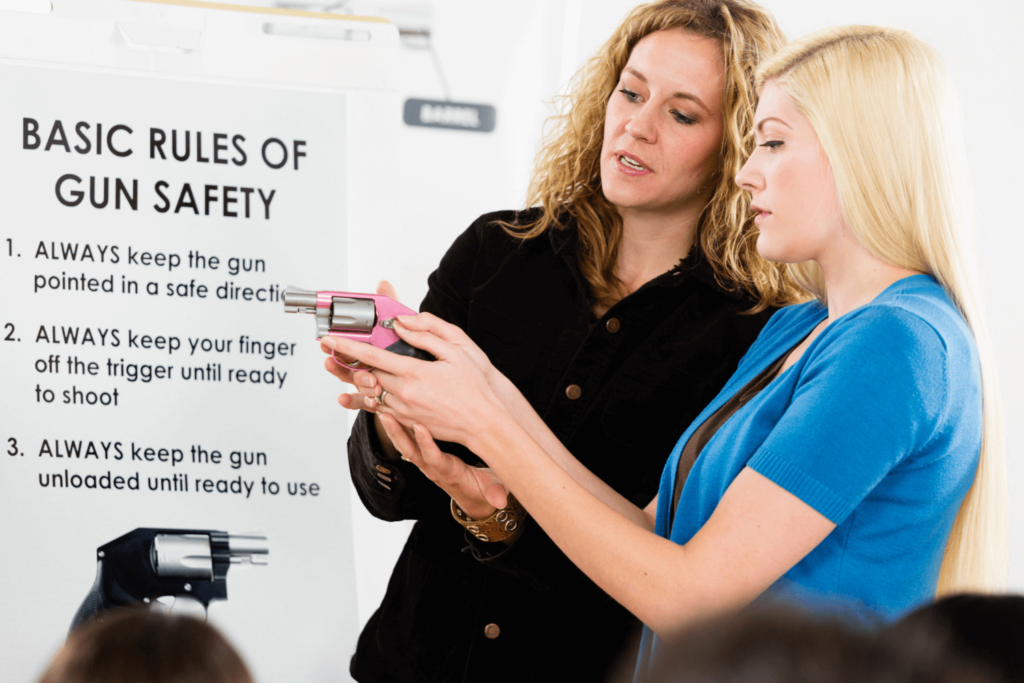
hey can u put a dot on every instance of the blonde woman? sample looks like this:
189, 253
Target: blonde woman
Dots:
618, 307
856, 453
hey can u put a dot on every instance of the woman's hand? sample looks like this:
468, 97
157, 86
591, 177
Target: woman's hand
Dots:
477, 490
450, 396
429, 323
364, 382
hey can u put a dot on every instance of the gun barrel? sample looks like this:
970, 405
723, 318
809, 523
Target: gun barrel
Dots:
299, 300
248, 548
206, 557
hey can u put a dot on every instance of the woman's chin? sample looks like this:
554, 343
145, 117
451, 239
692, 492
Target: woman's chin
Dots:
771, 250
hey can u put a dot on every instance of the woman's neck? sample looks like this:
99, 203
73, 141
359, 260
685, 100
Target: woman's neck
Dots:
855, 276
652, 245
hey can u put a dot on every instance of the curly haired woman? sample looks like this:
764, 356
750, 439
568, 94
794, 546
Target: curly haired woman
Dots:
619, 305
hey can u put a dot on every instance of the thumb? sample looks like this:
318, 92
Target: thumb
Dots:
387, 289
495, 494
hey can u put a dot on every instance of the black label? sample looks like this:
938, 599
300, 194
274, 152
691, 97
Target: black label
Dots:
452, 115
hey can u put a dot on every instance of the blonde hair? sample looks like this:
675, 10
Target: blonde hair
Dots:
567, 175
888, 120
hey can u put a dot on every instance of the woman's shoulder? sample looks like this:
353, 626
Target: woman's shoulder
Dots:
501, 232
910, 339
915, 311
498, 224
488, 243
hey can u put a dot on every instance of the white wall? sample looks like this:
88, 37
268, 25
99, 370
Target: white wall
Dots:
516, 55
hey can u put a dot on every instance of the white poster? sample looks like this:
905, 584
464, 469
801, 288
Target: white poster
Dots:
151, 377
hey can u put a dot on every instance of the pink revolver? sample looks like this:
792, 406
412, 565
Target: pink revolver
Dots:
368, 318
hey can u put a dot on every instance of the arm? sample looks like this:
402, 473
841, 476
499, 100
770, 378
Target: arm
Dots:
734, 558
466, 484
879, 373
534, 427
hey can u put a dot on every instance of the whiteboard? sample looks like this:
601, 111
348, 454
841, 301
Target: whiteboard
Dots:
167, 170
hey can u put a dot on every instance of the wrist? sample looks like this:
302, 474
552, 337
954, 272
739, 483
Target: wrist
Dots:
500, 385
501, 525
475, 510
487, 429
493, 377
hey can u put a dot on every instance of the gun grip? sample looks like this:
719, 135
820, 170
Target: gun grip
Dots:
405, 349
95, 602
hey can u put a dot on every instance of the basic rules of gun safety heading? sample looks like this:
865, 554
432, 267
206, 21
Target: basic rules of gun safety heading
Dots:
168, 168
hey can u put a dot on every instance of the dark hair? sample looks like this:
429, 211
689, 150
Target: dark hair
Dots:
143, 646
986, 631
782, 644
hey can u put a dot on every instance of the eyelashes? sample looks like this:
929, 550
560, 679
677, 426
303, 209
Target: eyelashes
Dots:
683, 118
677, 115
630, 95
771, 144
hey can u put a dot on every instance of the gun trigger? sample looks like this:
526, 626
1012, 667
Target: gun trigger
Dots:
181, 605
346, 365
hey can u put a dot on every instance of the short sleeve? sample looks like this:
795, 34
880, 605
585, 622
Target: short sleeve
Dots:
871, 391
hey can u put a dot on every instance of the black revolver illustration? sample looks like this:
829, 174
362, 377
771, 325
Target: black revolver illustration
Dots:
146, 564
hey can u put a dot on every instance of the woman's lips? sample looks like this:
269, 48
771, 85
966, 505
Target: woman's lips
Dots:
759, 213
631, 165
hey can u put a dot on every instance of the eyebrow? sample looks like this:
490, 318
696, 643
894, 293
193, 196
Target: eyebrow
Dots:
760, 124
681, 95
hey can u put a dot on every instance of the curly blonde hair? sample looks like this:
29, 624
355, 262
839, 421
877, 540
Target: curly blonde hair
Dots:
567, 173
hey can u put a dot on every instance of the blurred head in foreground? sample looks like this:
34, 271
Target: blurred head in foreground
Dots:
985, 630
780, 644
144, 646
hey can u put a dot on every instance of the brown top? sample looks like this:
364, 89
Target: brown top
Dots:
702, 435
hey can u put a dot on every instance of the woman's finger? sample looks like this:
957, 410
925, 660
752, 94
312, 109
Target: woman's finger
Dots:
387, 289
370, 355
390, 402
428, 322
444, 464
428, 341
327, 349
495, 492
477, 490
341, 373
366, 383
356, 402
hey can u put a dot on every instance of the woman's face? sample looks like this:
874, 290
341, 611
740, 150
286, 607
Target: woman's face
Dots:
793, 191
663, 125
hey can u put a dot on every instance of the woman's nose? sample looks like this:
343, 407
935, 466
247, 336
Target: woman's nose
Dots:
749, 178
642, 125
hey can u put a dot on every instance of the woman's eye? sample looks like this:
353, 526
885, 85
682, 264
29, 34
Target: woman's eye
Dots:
630, 95
683, 118
772, 144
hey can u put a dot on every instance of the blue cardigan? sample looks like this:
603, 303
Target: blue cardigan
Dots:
877, 426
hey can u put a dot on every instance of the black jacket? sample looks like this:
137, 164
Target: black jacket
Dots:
644, 370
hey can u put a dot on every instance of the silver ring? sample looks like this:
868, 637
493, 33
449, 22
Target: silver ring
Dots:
380, 399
